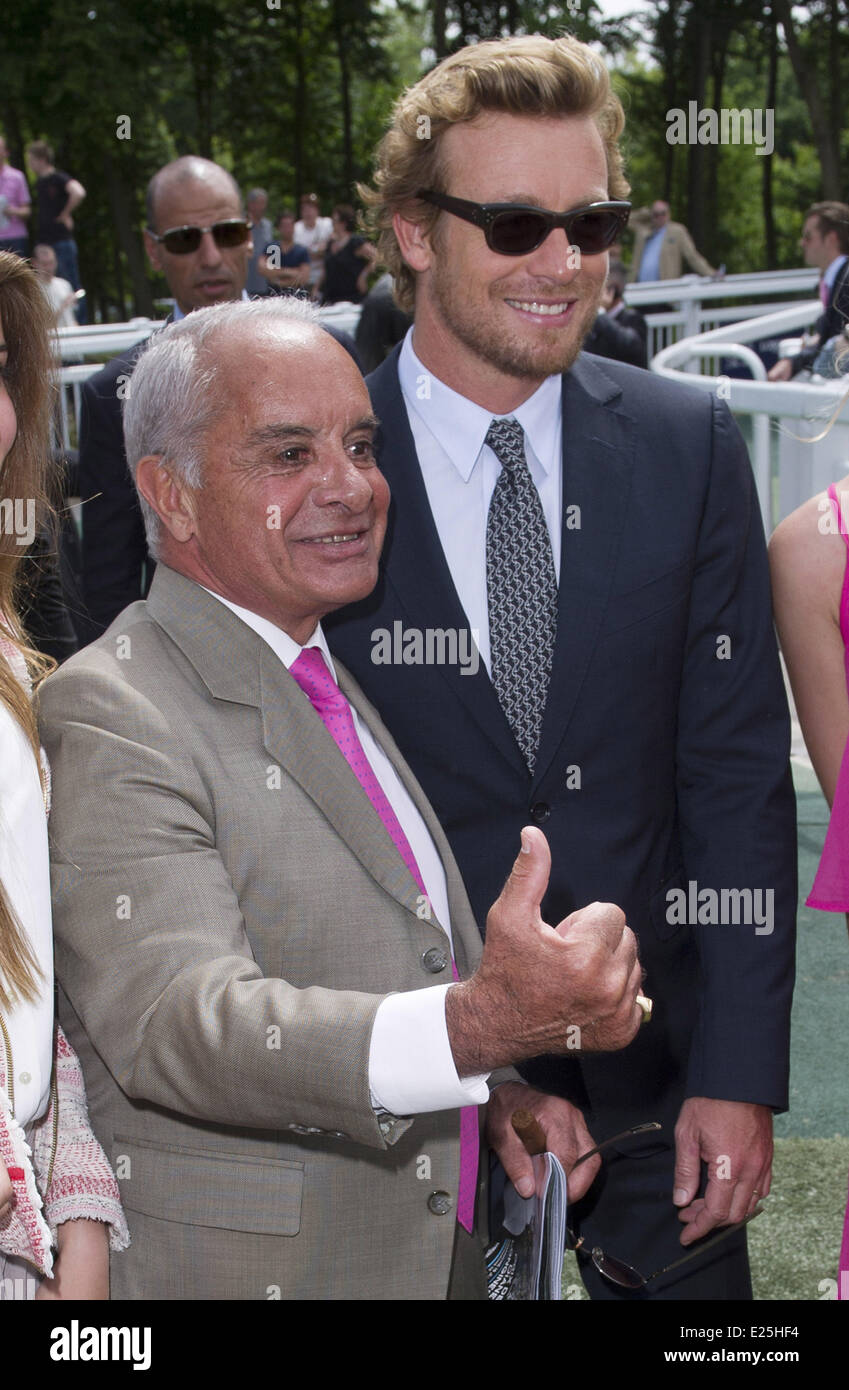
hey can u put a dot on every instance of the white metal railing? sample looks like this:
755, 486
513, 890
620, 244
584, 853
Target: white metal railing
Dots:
804, 467
695, 315
694, 296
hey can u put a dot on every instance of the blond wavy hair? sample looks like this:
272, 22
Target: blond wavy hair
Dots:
25, 473
529, 76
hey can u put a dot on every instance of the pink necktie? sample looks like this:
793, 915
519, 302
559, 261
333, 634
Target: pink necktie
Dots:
312, 675
824, 294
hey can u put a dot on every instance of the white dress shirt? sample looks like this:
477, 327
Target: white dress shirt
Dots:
25, 875
460, 472
411, 1066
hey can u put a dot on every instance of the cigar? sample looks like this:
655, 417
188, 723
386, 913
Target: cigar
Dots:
530, 1131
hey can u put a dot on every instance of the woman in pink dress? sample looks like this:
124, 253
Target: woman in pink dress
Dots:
810, 578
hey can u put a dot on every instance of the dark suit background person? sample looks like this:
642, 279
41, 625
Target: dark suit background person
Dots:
248, 961
618, 332
825, 244
193, 192
661, 757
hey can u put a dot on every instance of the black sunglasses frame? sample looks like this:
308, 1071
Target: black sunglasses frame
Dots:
486, 216
222, 242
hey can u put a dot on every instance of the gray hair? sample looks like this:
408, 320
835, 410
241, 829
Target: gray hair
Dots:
174, 397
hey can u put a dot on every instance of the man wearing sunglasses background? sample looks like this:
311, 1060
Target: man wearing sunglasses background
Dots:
201, 267
597, 530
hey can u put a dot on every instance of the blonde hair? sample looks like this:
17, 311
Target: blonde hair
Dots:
527, 76
24, 473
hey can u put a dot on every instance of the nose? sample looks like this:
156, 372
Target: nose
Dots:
343, 484
556, 259
208, 250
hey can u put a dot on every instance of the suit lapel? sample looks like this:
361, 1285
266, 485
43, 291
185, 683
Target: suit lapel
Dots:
598, 447
238, 666
464, 932
414, 564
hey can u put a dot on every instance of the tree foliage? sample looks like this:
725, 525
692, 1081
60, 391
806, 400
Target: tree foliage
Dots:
294, 94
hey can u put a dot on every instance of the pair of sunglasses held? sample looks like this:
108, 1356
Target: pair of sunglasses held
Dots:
616, 1271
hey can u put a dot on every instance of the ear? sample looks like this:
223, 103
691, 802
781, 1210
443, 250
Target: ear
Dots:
154, 251
172, 500
413, 241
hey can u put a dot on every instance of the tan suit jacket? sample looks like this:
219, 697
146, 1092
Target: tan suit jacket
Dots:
676, 249
229, 913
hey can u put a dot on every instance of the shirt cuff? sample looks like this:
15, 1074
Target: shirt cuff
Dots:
411, 1067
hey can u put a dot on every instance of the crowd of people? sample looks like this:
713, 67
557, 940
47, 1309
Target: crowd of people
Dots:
305, 1002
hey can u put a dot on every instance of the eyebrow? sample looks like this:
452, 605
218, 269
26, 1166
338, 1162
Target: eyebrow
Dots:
274, 434
530, 200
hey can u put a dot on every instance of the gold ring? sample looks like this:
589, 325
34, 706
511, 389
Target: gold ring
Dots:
646, 1006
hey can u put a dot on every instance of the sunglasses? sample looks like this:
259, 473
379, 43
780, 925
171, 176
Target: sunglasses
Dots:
516, 229
181, 241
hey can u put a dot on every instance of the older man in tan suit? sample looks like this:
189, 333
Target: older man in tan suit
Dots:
257, 915
670, 244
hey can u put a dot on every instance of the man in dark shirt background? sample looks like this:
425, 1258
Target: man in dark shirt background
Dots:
58, 196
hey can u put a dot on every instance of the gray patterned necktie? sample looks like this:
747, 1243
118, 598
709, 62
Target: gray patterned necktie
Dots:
521, 590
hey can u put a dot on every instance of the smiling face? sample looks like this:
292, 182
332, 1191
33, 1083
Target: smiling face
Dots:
8, 422
492, 326
291, 517
210, 275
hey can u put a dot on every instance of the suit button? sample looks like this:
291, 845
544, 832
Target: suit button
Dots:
434, 960
439, 1203
540, 812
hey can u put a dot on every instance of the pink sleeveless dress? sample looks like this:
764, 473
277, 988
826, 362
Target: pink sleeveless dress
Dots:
830, 892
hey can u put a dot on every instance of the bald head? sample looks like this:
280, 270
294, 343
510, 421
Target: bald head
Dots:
188, 169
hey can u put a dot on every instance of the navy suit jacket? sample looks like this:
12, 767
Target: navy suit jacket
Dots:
664, 753
831, 322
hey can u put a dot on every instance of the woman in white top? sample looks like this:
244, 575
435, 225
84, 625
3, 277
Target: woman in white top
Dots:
56, 1188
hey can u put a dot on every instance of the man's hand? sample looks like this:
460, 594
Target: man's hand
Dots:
566, 1136
735, 1140
7, 1192
543, 989
781, 371
81, 1269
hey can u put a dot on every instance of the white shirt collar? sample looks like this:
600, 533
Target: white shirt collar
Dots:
831, 274
459, 426
283, 646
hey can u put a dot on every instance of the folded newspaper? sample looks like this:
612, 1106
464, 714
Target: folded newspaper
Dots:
526, 1260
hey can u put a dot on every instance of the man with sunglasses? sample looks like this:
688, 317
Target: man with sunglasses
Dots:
596, 530
198, 236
